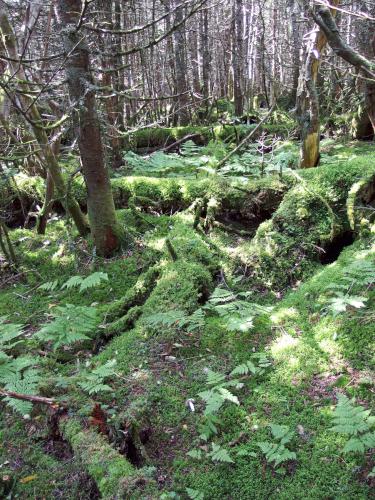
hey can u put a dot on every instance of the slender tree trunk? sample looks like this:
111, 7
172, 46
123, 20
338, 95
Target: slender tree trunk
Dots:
308, 100
324, 17
35, 121
237, 57
293, 5
181, 68
206, 58
101, 208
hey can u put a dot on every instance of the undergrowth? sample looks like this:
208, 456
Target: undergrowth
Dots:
233, 376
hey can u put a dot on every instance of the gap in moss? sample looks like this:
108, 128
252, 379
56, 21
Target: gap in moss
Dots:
129, 448
335, 247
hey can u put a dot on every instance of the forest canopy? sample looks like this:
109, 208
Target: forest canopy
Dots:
187, 249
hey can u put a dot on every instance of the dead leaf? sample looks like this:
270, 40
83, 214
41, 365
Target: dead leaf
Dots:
28, 479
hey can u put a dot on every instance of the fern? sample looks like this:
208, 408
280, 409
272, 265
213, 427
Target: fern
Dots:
26, 383
72, 282
356, 423
10, 334
50, 286
196, 454
189, 148
245, 369
70, 324
341, 302
177, 319
93, 280
276, 452
194, 494
236, 312
94, 382
18, 375
90, 281
209, 427
220, 454
359, 275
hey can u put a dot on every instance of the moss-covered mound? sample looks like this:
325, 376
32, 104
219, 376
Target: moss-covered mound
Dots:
310, 226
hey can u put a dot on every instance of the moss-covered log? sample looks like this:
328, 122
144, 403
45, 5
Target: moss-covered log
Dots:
152, 138
307, 229
114, 475
259, 199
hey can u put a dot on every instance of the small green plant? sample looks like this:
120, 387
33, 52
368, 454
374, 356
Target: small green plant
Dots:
194, 494
94, 382
91, 281
177, 319
276, 452
356, 423
19, 375
220, 390
70, 324
342, 295
10, 334
235, 309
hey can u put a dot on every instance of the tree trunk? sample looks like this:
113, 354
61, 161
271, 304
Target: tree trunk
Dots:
325, 20
307, 98
183, 114
101, 208
33, 118
237, 57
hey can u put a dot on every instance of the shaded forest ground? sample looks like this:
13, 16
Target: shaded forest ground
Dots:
279, 246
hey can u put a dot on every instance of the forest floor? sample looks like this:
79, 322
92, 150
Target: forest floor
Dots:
279, 291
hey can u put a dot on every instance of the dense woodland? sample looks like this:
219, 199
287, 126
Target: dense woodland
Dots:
187, 249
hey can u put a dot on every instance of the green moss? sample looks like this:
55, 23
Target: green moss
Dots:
288, 247
108, 468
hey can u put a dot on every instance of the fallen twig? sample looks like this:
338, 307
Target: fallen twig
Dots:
246, 139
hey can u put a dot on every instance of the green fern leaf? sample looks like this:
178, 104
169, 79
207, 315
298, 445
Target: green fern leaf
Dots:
93, 280
70, 324
197, 454
214, 378
245, 369
72, 282
50, 286
219, 454
9, 332
194, 494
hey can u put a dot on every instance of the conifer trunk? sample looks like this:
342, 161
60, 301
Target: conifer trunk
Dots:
101, 207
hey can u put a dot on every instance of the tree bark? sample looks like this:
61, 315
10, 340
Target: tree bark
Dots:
33, 118
237, 57
101, 207
307, 98
183, 115
325, 20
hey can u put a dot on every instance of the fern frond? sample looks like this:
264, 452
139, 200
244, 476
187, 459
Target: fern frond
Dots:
9, 332
355, 422
194, 494
220, 454
214, 378
245, 369
93, 280
94, 382
50, 286
72, 282
70, 324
